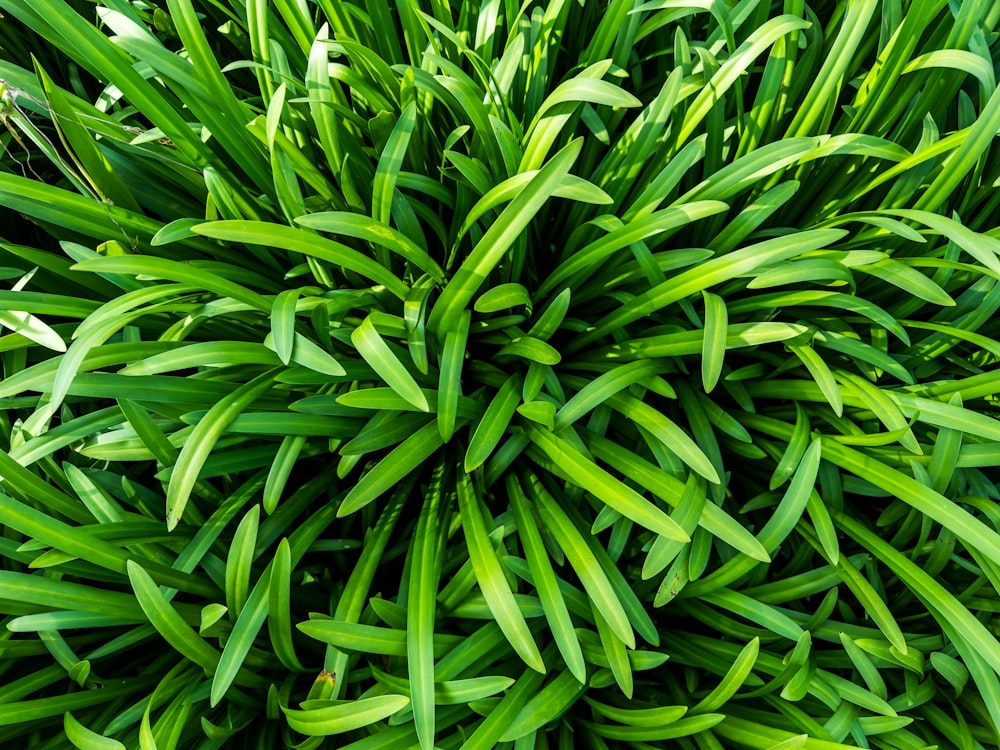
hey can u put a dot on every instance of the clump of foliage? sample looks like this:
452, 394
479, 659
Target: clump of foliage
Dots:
472, 375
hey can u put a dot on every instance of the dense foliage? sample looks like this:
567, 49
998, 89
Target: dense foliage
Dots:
559, 375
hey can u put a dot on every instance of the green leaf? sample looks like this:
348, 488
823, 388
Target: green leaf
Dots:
588, 475
77, 542
614, 650
732, 681
369, 638
167, 622
502, 297
714, 345
389, 164
822, 374
738, 335
170, 270
300, 241
498, 721
601, 388
364, 638
403, 459
666, 431
546, 705
377, 353
793, 502
450, 379
494, 244
942, 604
909, 280
376, 232
492, 427
639, 717
283, 323
794, 451
542, 412
491, 580
32, 328
281, 468
730, 71
450, 692
23, 711
531, 349
86, 739
592, 576
345, 716
425, 573
689, 512
252, 618
239, 561
689, 726
572, 187
544, 578
709, 274
202, 440
588, 90
589, 259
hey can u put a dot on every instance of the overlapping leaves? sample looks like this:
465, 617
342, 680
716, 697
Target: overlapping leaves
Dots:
602, 375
